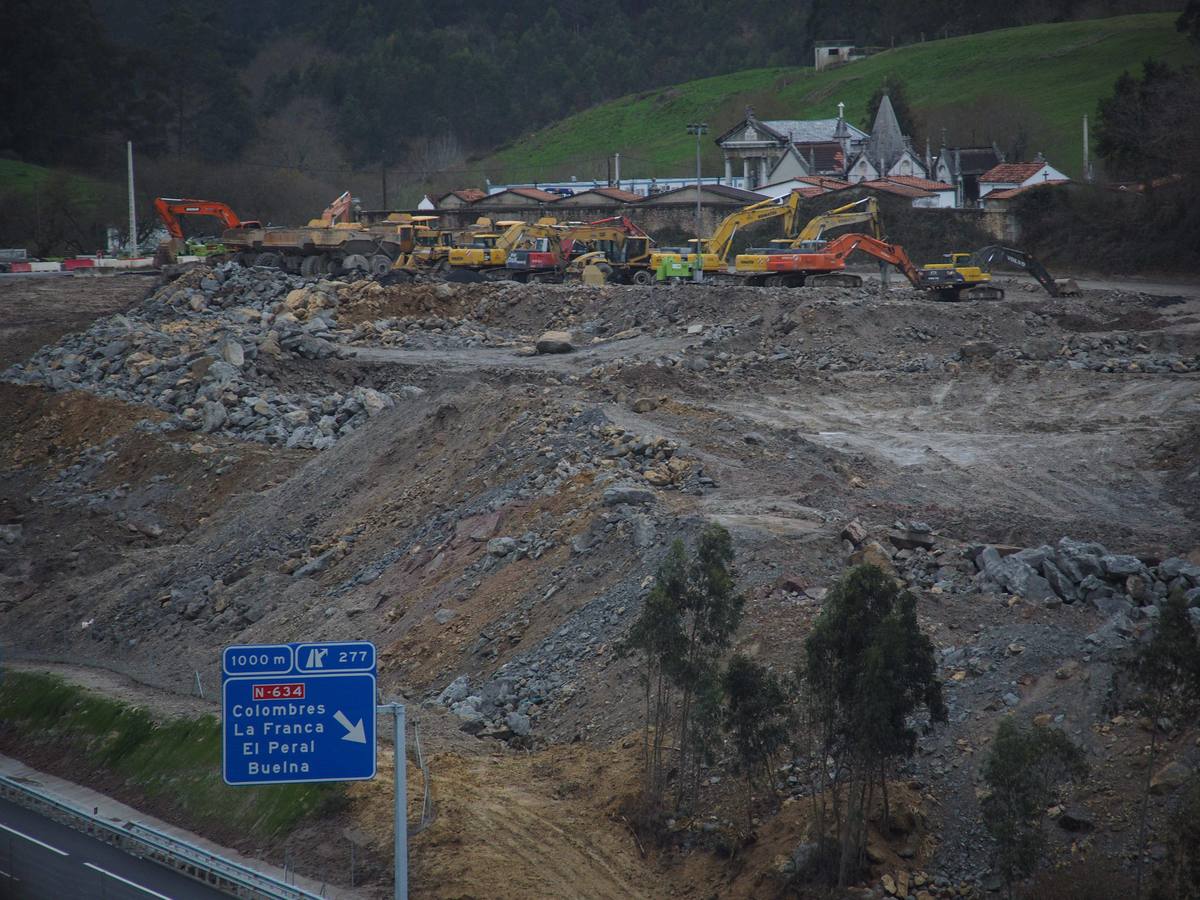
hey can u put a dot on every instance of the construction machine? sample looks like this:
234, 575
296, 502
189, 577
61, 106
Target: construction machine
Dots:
325, 247
824, 263
488, 251
966, 275
615, 244
714, 252
336, 212
169, 209
752, 264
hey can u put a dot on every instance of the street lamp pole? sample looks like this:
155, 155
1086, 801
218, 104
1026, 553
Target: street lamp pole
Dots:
698, 128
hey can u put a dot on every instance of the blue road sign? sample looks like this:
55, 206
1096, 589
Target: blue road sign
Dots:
298, 712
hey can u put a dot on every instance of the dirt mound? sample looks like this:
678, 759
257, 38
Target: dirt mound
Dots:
490, 517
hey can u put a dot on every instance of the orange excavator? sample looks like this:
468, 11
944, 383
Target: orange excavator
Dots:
169, 209
825, 263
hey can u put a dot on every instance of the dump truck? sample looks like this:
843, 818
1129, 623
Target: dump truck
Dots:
324, 247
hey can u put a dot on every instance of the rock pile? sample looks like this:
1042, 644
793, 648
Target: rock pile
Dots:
1080, 571
198, 348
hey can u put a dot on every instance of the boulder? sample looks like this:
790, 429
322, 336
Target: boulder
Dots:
627, 493
1077, 820
375, 402
854, 532
644, 404
232, 353
518, 723
455, 692
1059, 583
1117, 565
910, 540
873, 553
1169, 777
501, 546
1019, 578
555, 342
1170, 569
212, 417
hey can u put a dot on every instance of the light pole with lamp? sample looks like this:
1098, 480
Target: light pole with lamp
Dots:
698, 128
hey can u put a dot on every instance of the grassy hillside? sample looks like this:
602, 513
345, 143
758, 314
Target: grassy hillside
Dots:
1045, 77
24, 179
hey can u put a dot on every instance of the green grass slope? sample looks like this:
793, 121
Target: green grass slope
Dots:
25, 179
175, 765
1044, 76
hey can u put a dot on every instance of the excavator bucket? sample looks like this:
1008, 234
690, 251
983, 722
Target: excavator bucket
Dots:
594, 275
1067, 287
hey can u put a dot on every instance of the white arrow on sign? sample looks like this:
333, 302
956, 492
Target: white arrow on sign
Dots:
354, 732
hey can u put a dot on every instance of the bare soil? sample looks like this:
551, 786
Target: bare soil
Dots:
802, 410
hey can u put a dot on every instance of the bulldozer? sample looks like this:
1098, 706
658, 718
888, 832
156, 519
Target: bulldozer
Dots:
753, 265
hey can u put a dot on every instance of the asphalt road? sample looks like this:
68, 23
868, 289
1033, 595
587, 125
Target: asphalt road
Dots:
43, 860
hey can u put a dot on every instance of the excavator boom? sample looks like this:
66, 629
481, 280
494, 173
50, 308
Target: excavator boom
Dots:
722, 237
843, 215
987, 256
169, 209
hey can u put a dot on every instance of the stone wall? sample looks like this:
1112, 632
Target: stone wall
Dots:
925, 233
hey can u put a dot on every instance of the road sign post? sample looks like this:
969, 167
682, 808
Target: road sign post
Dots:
298, 713
401, 773
306, 712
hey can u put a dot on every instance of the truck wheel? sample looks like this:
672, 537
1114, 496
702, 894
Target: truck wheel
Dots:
643, 277
356, 263
311, 266
380, 265
267, 260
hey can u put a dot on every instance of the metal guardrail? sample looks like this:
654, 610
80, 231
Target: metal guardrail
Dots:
150, 843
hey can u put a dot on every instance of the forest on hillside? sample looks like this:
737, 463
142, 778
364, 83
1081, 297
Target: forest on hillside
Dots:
362, 84
278, 106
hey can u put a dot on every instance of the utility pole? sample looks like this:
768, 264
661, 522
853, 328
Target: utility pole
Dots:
133, 241
698, 128
1087, 159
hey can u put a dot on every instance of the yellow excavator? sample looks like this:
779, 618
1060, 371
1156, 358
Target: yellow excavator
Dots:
715, 250
753, 263
489, 250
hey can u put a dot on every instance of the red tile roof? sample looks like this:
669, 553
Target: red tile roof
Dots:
535, 194
1011, 173
466, 195
821, 181
1009, 193
890, 187
615, 194
923, 183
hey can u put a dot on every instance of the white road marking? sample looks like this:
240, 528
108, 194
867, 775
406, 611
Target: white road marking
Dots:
34, 840
132, 884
